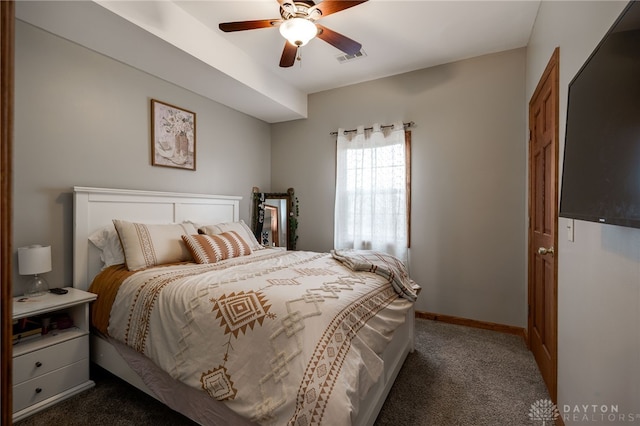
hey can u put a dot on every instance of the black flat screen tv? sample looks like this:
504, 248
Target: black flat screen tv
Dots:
601, 165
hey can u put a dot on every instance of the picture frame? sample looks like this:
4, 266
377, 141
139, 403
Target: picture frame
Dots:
173, 136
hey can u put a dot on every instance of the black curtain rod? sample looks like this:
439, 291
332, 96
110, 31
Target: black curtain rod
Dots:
409, 124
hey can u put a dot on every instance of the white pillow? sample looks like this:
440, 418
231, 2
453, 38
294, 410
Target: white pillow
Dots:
240, 228
147, 245
106, 239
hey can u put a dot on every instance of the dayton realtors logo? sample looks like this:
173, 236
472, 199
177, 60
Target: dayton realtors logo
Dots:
598, 414
545, 411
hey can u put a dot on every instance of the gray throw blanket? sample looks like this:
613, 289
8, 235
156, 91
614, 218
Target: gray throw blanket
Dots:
382, 264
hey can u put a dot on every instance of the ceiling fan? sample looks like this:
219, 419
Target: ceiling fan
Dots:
298, 25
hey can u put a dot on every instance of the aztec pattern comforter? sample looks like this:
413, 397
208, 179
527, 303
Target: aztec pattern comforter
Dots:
282, 337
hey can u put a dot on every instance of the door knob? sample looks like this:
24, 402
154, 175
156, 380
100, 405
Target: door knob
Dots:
543, 251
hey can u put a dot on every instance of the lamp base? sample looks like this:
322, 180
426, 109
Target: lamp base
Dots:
37, 287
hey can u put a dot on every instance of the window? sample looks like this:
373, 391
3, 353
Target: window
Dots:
372, 190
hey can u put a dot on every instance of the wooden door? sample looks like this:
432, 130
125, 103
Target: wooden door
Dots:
543, 222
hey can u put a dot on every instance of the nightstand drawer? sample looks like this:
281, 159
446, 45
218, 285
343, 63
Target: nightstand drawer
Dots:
50, 384
50, 358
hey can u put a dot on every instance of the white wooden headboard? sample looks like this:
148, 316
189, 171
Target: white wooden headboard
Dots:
95, 208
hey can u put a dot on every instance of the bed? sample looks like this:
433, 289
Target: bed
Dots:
239, 334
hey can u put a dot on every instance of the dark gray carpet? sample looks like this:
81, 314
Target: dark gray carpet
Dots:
464, 376
456, 376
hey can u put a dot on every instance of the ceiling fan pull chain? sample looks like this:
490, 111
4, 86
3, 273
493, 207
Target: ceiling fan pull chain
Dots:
299, 56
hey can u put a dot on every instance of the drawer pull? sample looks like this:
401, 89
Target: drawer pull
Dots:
38, 390
38, 364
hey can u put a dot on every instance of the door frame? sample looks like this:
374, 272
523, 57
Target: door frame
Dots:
552, 67
7, 39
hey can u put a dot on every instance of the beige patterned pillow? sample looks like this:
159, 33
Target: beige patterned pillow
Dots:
147, 245
214, 248
241, 228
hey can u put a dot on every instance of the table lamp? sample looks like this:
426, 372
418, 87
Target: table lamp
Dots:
34, 260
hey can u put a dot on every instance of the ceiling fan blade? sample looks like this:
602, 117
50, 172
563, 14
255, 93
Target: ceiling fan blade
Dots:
249, 25
344, 43
288, 57
327, 7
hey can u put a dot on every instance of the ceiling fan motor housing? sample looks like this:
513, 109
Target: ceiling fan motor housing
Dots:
299, 9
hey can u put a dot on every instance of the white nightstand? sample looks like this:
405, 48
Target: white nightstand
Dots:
55, 366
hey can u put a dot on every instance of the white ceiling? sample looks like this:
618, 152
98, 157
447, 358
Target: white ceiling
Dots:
179, 41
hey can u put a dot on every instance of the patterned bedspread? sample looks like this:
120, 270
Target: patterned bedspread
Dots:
282, 337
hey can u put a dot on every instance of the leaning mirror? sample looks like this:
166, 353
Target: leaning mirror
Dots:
274, 220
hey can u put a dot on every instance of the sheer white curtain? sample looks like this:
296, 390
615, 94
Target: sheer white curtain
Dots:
371, 190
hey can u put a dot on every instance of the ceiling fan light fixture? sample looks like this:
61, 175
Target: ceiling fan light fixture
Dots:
298, 31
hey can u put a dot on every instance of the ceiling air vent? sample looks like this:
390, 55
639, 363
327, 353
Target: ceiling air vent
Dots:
347, 58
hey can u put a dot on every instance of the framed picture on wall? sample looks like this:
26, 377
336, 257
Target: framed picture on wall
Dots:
173, 136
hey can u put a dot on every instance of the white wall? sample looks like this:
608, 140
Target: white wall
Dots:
84, 119
468, 180
598, 273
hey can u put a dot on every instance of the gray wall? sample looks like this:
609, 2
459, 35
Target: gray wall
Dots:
468, 177
598, 273
82, 119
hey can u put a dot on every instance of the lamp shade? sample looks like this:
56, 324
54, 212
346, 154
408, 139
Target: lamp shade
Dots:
298, 31
34, 260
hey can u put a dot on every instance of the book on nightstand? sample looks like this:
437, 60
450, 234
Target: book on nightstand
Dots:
26, 328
